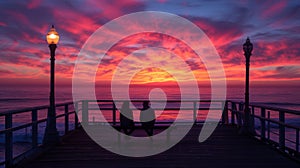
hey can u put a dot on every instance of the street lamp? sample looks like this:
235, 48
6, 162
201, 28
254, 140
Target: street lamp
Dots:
247, 47
51, 133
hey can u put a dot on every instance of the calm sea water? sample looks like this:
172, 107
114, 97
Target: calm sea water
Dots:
29, 96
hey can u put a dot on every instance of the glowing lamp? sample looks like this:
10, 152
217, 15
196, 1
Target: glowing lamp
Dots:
52, 36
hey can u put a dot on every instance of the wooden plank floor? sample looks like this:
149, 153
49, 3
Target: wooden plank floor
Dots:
225, 148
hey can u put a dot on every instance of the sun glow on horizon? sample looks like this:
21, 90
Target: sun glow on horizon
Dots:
152, 75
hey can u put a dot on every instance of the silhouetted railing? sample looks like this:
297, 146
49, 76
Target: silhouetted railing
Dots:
272, 125
15, 125
276, 126
35, 119
110, 109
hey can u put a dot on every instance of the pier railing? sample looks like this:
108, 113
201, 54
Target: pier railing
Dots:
23, 130
275, 126
110, 109
30, 123
272, 125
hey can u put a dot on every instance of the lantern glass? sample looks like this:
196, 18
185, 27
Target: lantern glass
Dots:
52, 36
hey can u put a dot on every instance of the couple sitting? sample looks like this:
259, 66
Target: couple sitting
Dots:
147, 118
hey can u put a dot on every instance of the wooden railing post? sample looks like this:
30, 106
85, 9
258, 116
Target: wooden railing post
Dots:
233, 111
8, 141
114, 113
241, 116
85, 112
76, 115
263, 124
269, 116
281, 131
195, 109
34, 119
66, 118
297, 141
225, 112
252, 120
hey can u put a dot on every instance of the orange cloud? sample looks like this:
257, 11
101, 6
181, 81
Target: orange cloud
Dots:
152, 75
272, 27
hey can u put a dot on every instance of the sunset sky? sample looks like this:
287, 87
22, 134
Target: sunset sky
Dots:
273, 28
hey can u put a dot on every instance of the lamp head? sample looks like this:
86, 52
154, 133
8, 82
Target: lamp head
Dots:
52, 36
248, 47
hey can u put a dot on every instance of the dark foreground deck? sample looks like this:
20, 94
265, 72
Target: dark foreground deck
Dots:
225, 148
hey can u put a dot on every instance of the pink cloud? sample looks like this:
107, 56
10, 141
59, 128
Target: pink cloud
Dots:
220, 33
3, 24
19, 17
114, 8
24, 45
273, 8
77, 24
33, 4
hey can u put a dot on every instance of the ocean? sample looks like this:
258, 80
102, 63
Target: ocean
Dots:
12, 97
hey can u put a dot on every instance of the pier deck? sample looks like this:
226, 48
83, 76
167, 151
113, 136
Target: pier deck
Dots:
225, 148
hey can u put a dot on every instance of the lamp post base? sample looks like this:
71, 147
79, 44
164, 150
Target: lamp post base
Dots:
246, 130
51, 137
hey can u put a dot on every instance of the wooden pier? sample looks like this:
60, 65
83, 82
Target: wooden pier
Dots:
275, 144
225, 148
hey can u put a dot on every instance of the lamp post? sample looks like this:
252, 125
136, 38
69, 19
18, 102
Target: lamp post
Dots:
51, 133
247, 47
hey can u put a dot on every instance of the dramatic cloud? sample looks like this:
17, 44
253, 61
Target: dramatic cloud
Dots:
273, 27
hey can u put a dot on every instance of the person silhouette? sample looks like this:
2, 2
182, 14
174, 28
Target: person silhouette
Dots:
147, 118
126, 119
